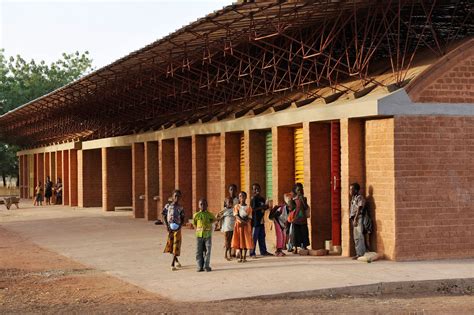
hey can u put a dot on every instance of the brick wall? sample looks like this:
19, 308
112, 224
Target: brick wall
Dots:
317, 173
449, 80
255, 150
46, 165
352, 170
230, 162
65, 178
434, 169
183, 173
380, 183
283, 162
73, 179
138, 179
116, 178
166, 169
213, 179
40, 169
59, 165
89, 178
199, 163
151, 180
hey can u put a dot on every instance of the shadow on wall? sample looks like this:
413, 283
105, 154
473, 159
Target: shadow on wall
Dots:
371, 239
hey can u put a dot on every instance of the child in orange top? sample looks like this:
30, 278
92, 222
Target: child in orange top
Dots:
242, 238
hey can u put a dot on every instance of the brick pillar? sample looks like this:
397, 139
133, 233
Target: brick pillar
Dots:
255, 160
213, 173
283, 162
25, 176
46, 165
52, 166
89, 178
35, 173
166, 171
352, 170
138, 179
230, 163
59, 166
21, 175
73, 178
151, 180
116, 178
317, 174
183, 173
40, 169
65, 176
199, 161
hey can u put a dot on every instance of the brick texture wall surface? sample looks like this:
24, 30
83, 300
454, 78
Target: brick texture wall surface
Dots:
183, 173
352, 170
230, 162
449, 80
283, 162
73, 179
117, 178
199, 164
151, 180
317, 173
380, 183
166, 169
213, 168
138, 179
434, 169
255, 151
65, 178
89, 170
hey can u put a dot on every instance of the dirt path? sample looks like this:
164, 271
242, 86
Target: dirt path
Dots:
36, 280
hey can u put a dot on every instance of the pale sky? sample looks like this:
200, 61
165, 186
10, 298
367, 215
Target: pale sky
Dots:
43, 30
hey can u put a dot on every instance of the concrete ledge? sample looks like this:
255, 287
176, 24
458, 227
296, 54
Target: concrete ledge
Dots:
442, 286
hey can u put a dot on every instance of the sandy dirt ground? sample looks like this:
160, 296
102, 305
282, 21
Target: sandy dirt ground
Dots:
36, 280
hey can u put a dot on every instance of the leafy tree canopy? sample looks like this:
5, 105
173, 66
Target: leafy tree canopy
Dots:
22, 81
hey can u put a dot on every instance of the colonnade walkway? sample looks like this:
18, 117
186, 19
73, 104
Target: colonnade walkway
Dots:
131, 250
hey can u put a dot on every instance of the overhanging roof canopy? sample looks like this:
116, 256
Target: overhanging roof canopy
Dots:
247, 55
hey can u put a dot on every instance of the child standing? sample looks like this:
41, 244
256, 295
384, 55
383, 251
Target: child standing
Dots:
259, 205
242, 237
203, 220
38, 195
173, 215
227, 226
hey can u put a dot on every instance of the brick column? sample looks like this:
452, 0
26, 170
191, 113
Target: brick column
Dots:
73, 178
21, 175
352, 170
46, 165
283, 162
40, 169
138, 179
151, 180
89, 179
199, 161
65, 176
117, 178
59, 165
183, 173
230, 163
255, 151
52, 167
317, 175
166, 171
25, 176
213, 173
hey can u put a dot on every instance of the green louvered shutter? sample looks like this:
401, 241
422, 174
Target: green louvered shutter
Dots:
268, 165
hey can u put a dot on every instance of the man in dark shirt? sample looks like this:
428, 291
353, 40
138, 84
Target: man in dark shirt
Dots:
259, 205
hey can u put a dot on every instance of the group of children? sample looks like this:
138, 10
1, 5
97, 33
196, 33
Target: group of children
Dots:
242, 225
50, 190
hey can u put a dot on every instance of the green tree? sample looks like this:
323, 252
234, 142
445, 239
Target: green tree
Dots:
22, 81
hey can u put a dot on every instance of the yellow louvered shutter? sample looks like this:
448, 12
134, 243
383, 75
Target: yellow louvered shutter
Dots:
242, 165
299, 162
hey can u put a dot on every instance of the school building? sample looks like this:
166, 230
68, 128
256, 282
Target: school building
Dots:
325, 93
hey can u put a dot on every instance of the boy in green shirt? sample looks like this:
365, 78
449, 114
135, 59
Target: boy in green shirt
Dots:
202, 221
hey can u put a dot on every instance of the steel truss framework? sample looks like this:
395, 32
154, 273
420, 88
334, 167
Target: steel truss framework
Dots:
245, 56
